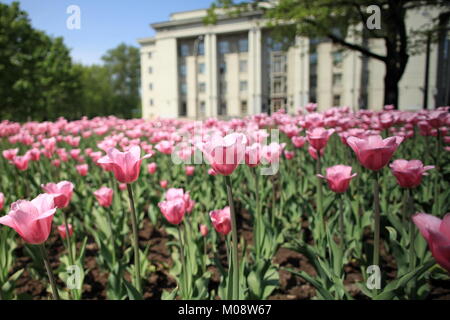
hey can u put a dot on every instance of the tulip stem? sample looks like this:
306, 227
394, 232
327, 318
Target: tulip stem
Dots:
51, 278
341, 218
412, 229
376, 209
319, 197
68, 242
183, 263
257, 220
234, 237
134, 224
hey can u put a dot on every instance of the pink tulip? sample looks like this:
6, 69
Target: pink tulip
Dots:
211, 172
298, 142
125, 165
104, 196
313, 152
289, 154
409, 173
224, 153
82, 169
189, 170
2, 200
174, 193
56, 163
62, 230
221, 220
32, 220
10, 154
204, 230
373, 152
151, 167
163, 184
318, 137
437, 233
253, 155
338, 177
21, 162
62, 190
122, 186
173, 210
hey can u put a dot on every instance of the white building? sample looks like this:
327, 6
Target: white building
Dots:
234, 68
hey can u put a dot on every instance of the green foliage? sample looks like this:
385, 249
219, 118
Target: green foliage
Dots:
40, 81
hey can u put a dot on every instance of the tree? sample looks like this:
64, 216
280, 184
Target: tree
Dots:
123, 65
38, 79
336, 19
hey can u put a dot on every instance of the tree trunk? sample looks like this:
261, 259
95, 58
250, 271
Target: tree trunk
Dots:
391, 86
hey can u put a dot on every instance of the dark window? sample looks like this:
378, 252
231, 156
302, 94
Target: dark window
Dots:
243, 45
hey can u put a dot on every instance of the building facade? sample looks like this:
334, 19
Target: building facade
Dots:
234, 68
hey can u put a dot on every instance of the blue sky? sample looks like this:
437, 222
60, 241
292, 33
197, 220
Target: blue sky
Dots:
104, 23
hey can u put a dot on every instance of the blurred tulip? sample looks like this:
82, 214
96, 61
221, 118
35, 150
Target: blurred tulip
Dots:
338, 177
2, 200
318, 137
62, 230
173, 210
104, 196
62, 191
189, 170
373, 152
409, 173
151, 167
224, 153
82, 169
204, 230
437, 233
221, 220
125, 165
163, 184
32, 220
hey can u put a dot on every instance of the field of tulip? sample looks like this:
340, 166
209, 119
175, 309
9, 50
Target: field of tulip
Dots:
319, 205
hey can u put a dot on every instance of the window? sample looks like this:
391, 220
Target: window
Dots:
201, 48
150, 86
313, 58
184, 50
222, 108
151, 102
313, 81
337, 79
202, 108
243, 86
223, 67
244, 109
243, 45
183, 88
337, 57
278, 64
336, 100
243, 66
201, 68
223, 87
202, 87
278, 85
224, 47
183, 70
183, 109
150, 70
